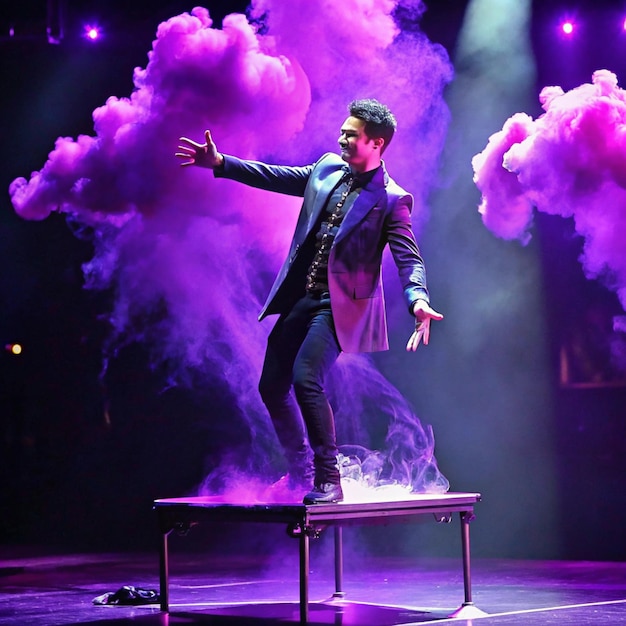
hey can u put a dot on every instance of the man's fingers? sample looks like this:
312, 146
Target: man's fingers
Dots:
421, 333
189, 156
414, 341
409, 345
190, 150
188, 144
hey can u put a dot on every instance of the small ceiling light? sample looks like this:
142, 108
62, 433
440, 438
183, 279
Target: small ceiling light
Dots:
92, 33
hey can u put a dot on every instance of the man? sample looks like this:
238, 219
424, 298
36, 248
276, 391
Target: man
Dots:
329, 293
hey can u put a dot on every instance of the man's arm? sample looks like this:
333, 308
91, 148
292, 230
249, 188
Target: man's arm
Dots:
412, 272
283, 179
278, 178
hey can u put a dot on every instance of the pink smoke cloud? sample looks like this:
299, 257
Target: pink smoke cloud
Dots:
196, 76
569, 162
190, 258
356, 49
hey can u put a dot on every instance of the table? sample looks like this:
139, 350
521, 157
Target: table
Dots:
306, 521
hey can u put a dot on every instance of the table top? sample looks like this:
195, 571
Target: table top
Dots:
217, 508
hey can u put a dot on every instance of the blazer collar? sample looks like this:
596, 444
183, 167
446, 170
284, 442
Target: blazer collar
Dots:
372, 179
369, 197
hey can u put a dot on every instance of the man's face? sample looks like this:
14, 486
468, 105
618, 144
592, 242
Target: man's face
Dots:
357, 149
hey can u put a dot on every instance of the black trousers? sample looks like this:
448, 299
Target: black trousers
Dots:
301, 349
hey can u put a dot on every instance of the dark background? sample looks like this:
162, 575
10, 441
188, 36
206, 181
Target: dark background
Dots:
81, 458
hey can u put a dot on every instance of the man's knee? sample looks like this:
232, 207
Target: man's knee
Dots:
266, 390
272, 391
306, 384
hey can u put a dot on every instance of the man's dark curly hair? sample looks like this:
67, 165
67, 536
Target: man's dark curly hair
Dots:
379, 120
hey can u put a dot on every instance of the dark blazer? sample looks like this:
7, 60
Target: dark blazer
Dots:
380, 215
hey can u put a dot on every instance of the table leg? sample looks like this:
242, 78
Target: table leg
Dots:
164, 574
304, 577
466, 518
467, 610
339, 593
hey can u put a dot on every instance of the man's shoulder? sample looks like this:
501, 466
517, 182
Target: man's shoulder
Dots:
391, 186
395, 189
330, 159
397, 196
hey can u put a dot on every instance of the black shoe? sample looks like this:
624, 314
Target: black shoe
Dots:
324, 493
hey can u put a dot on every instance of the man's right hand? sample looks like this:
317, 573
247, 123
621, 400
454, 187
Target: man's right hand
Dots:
202, 155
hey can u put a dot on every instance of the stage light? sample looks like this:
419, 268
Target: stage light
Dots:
13, 348
92, 33
567, 27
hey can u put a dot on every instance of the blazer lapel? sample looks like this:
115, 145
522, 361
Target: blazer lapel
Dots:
369, 197
322, 196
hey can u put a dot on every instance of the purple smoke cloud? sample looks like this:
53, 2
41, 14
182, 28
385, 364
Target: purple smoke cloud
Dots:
570, 161
189, 258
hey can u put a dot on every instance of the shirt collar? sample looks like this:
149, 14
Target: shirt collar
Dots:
362, 179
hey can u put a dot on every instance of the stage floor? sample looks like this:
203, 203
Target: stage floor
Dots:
47, 589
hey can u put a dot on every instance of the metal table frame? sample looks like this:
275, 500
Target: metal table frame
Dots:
307, 521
